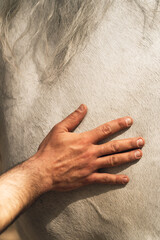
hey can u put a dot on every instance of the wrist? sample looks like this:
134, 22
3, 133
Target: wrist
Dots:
39, 179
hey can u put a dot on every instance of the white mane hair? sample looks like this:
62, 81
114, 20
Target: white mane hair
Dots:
57, 28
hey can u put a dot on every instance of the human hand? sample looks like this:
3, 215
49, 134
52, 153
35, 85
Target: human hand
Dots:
66, 160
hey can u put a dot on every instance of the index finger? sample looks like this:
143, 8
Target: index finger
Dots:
101, 132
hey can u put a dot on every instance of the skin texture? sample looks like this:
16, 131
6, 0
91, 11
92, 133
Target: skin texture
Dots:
66, 161
73, 158
116, 75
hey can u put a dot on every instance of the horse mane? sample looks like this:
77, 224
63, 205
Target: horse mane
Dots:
57, 28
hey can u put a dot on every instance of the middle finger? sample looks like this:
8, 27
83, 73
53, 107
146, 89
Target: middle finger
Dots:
118, 159
101, 132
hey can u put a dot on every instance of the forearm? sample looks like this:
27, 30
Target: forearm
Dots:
19, 187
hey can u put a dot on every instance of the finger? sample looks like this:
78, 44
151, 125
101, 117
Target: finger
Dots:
106, 178
72, 120
107, 129
118, 159
116, 146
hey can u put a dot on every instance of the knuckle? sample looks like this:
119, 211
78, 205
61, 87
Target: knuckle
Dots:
121, 123
106, 180
74, 115
106, 129
85, 172
114, 147
129, 157
77, 112
88, 154
92, 166
133, 143
113, 161
93, 150
117, 180
89, 180
95, 180
83, 140
102, 149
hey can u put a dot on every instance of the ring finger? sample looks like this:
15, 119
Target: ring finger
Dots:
117, 146
118, 159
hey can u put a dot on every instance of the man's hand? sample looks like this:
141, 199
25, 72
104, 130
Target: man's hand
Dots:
67, 160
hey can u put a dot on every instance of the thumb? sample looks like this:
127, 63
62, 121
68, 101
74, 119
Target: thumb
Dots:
73, 120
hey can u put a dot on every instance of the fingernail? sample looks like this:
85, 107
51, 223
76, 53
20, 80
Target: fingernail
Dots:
81, 107
140, 142
125, 180
129, 121
138, 154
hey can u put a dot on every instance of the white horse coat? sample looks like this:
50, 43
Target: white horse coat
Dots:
116, 75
